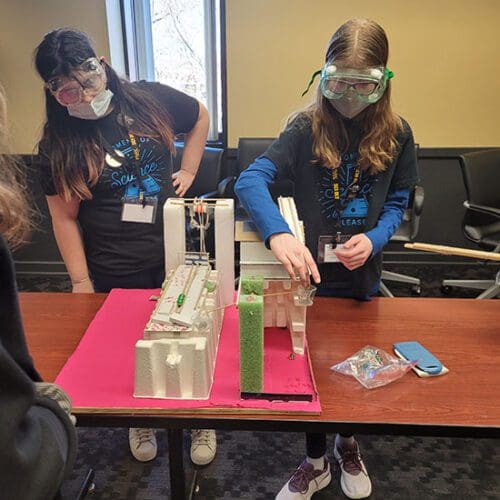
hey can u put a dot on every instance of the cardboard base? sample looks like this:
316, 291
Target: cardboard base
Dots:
100, 374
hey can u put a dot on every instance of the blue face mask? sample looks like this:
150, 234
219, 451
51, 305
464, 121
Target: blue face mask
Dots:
94, 109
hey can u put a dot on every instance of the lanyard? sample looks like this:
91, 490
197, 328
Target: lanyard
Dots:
137, 164
352, 188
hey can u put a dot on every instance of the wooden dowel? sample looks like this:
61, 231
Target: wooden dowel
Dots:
462, 252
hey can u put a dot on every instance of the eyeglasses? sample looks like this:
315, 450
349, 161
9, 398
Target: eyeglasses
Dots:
89, 77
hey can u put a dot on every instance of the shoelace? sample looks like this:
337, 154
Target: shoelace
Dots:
201, 437
302, 477
351, 460
143, 436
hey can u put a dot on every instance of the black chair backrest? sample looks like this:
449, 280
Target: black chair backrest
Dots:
249, 148
408, 229
481, 173
209, 173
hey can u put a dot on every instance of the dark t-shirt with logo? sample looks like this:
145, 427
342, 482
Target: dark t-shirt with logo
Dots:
292, 153
111, 245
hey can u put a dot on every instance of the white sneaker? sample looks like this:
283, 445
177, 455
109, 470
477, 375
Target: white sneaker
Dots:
354, 479
142, 443
203, 446
305, 481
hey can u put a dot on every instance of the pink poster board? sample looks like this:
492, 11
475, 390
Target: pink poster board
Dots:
100, 373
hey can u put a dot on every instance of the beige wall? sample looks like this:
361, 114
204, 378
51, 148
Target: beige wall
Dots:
445, 55
23, 24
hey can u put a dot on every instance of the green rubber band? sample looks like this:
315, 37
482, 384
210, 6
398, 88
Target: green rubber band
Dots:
311, 81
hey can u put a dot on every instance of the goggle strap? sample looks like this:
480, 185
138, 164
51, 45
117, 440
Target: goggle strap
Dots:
311, 81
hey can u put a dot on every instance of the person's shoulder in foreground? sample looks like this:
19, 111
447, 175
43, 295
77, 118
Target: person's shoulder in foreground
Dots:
37, 436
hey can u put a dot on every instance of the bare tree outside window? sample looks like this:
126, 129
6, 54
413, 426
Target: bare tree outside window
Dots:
179, 45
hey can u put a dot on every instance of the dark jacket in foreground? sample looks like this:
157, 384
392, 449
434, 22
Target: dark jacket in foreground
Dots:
37, 439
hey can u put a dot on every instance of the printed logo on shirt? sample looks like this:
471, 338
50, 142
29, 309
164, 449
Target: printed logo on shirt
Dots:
354, 212
154, 166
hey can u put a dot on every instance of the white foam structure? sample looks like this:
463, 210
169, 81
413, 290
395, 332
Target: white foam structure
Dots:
176, 357
174, 222
283, 306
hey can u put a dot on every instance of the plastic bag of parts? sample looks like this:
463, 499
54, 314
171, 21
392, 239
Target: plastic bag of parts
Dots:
373, 367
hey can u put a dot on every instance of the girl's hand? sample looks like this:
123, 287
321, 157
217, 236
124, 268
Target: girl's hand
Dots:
295, 257
355, 252
182, 180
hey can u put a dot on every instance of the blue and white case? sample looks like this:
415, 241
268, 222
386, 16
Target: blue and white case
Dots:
414, 351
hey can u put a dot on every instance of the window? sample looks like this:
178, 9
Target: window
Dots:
177, 42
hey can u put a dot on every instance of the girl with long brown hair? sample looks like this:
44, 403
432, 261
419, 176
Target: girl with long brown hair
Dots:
106, 168
353, 163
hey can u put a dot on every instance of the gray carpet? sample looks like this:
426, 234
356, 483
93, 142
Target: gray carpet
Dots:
254, 465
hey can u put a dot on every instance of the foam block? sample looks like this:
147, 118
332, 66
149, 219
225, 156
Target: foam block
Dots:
252, 285
251, 312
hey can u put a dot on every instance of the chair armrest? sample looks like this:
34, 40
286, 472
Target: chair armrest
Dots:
495, 212
418, 200
225, 189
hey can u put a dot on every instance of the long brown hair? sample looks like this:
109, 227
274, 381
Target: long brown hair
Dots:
357, 43
74, 146
14, 211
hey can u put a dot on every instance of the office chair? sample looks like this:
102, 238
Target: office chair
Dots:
207, 183
249, 148
481, 221
406, 233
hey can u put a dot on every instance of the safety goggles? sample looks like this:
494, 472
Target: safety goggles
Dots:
367, 85
88, 78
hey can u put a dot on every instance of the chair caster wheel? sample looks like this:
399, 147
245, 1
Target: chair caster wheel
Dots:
445, 289
416, 290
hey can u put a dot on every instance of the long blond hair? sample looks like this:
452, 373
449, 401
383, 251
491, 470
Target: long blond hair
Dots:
14, 211
357, 43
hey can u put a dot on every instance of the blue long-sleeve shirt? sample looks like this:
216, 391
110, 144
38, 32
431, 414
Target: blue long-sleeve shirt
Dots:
252, 189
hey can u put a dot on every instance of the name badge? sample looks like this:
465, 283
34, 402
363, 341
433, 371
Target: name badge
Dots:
134, 210
327, 245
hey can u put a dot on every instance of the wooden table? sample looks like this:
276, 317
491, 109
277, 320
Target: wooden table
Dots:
463, 333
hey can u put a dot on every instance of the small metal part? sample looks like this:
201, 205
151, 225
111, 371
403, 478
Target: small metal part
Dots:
291, 356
